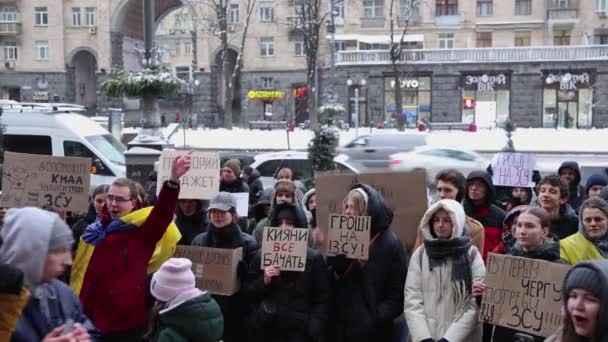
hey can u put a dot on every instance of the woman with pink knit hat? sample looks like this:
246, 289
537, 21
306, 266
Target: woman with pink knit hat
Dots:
182, 312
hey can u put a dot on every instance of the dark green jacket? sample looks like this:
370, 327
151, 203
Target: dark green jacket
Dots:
198, 319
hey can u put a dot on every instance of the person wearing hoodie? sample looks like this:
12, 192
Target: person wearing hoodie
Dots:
595, 184
230, 178
260, 211
284, 191
367, 296
51, 304
585, 304
478, 204
534, 242
190, 218
439, 305
119, 250
224, 232
98, 199
252, 177
290, 306
508, 230
570, 172
182, 312
309, 203
553, 197
519, 196
591, 240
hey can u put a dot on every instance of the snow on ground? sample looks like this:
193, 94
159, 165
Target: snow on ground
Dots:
525, 139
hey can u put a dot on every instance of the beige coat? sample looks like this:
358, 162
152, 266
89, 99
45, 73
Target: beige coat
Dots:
434, 308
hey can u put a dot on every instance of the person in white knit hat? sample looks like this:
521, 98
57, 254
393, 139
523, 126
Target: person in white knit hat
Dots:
182, 312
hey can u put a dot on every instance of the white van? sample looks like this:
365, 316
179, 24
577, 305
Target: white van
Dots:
42, 130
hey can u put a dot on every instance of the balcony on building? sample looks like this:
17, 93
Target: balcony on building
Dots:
446, 13
478, 55
563, 12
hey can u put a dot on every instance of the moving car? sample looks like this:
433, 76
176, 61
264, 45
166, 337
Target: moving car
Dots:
373, 151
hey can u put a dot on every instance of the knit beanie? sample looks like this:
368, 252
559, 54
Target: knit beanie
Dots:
174, 277
583, 278
286, 213
595, 179
61, 235
234, 165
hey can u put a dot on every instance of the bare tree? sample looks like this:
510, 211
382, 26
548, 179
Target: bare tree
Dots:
308, 21
396, 50
220, 28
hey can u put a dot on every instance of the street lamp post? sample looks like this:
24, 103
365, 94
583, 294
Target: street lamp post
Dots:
350, 83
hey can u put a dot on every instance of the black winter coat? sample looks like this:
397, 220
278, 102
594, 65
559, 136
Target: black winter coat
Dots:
235, 308
191, 226
235, 186
79, 227
255, 187
567, 224
368, 297
294, 307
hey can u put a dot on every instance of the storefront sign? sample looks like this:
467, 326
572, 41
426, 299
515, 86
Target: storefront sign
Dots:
468, 103
568, 81
486, 82
265, 95
40, 96
406, 83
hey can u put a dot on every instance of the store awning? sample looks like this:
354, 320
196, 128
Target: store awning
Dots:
377, 39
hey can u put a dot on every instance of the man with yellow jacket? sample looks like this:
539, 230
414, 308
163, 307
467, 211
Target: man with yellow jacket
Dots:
591, 241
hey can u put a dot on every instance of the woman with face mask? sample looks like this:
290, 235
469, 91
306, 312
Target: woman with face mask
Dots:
585, 304
591, 241
223, 232
439, 302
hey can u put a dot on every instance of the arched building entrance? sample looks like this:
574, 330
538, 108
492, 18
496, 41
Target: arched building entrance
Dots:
84, 63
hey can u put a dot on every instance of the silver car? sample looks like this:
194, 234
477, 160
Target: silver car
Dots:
373, 151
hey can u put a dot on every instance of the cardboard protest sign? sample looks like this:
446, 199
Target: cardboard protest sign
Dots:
203, 179
61, 183
242, 203
404, 192
523, 294
349, 235
513, 169
284, 247
215, 269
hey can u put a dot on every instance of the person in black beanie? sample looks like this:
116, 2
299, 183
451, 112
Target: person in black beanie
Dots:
595, 184
585, 302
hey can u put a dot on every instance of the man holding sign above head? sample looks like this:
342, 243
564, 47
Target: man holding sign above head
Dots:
118, 251
291, 292
224, 232
367, 295
439, 302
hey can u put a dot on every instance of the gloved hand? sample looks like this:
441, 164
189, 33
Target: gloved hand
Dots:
341, 263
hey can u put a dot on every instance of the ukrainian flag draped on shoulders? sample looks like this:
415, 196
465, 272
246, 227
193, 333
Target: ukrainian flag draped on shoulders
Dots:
165, 248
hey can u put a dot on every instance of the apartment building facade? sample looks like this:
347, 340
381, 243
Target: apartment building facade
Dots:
539, 63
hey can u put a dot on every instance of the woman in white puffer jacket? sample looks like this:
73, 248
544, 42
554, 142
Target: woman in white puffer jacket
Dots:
439, 305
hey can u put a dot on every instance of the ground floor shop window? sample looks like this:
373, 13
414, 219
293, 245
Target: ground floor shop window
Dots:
567, 100
486, 99
415, 100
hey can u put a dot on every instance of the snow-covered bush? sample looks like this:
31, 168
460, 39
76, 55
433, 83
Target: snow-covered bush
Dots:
140, 83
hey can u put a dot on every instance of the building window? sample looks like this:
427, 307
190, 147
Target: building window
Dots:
178, 49
8, 15
183, 73
340, 46
41, 15
568, 99
446, 7
484, 39
601, 5
446, 40
267, 46
187, 48
340, 9
10, 51
409, 8
600, 36
485, 8
491, 95
523, 7
415, 99
267, 83
373, 8
76, 16
561, 38
563, 4
90, 15
42, 50
266, 11
299, 48
233, 13
522, 38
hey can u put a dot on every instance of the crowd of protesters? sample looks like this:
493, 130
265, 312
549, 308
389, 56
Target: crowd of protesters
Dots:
112, 275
